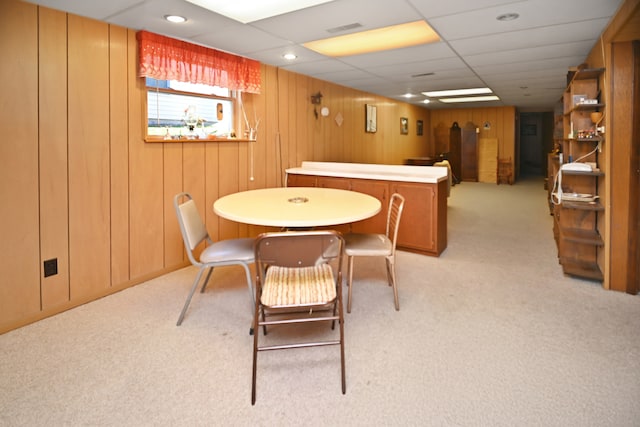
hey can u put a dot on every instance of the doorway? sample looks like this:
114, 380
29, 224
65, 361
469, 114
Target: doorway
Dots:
535, 141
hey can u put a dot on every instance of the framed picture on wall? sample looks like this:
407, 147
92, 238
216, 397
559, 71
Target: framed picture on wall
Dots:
419, 127
404, 125
371, 121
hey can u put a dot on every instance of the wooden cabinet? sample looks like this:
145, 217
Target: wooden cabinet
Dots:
379, 190
455, 151
423, 227
341, 184
299, 180
579, 212
333, 182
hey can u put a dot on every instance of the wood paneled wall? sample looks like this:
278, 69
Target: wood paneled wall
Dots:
502, 122
79, 183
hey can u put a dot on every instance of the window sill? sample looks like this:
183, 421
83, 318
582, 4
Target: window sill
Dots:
185, 139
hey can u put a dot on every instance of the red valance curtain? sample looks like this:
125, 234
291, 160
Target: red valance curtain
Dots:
164, 58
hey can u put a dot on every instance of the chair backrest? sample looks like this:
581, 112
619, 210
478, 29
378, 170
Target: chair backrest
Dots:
396, 205
191, 226
298, 249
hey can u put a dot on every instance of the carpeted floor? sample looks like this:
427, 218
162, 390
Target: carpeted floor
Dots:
491, 333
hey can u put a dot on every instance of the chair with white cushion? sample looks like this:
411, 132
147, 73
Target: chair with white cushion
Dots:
377, 245
299, 279
215, 254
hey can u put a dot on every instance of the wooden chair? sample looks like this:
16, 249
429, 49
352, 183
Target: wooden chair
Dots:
505, 171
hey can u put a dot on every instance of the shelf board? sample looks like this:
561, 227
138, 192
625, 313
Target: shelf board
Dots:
596, 139
586, 107
583, 236
583, 173
585, 74
586, 270
585, 206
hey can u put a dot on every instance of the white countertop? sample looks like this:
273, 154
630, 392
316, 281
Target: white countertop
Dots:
425, 174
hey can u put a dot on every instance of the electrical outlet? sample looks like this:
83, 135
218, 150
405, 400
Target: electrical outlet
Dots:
50, 267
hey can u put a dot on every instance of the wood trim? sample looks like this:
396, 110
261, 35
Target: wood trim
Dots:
620, 136
633, 280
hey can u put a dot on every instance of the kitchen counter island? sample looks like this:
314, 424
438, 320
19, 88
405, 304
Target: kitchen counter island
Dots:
423, 227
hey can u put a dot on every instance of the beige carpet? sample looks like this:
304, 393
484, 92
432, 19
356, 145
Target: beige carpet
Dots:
489, 334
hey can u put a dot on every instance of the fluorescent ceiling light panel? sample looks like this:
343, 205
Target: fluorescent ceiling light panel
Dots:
458, 92
393, 37
247, 11
470, 99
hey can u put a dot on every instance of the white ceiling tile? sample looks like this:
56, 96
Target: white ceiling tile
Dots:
533, 52
533, 14
312, 23
534, 37
530, 54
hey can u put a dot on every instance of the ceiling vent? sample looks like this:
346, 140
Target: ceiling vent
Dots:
344, 28
422, 75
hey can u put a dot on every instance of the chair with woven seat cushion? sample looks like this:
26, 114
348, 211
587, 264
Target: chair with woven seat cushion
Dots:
298, 279
215, 254
377, 245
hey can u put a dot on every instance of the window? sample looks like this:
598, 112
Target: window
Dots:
179, 110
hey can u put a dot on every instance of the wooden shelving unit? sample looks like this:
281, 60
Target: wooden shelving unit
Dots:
577, 223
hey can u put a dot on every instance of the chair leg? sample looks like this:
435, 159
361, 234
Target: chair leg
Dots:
391, 266
256, 332
188, 301
349, 282
206, 281
250, 285
341, 325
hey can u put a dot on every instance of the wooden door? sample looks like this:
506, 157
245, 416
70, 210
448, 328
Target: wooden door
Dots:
379, 190
417, 224
469, 150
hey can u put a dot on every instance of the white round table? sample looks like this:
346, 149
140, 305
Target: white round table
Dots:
297, 207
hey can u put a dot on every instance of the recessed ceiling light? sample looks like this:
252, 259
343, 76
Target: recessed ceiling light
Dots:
377, 40
426, 101
507, 17
456, 92
254, 10
289, 56
176, 19
469, 99
408, 95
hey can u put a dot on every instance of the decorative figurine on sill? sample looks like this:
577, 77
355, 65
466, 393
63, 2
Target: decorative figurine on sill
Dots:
191, 119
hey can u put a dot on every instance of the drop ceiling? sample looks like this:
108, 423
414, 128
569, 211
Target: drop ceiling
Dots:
524, 61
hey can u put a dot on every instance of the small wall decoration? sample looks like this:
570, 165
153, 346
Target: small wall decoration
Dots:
404, 125
419, 127
371, 121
